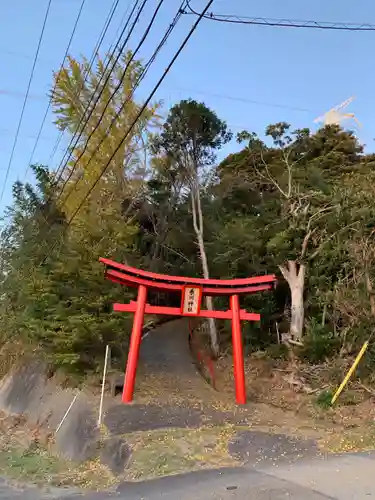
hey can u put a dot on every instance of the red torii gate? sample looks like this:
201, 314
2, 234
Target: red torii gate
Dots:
192, 290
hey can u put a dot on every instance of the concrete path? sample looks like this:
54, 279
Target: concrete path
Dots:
346, 477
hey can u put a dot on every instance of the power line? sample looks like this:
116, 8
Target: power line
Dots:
92, 60
283, 23
15, 93
117, 88
219, 95
88, 69
232, 98
8, 131
25, 100
84, 120
55, 85
22, 55
105, 69
244, 100
203, 93
130, 95
143, 108
122, 22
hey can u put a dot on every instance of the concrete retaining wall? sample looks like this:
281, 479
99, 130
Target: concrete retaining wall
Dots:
28, 391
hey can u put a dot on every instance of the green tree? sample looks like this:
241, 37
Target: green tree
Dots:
297, 181
190, 137
61, 305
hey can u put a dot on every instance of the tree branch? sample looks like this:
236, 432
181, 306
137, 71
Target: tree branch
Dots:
269, 177
285, 273
318, 250
306, 242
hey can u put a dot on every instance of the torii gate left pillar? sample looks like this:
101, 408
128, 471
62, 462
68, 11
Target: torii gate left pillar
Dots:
135, 343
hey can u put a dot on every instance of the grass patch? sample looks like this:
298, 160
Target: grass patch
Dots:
89, 475
39, 467
362, 439
324, 400
174, 451
29, 465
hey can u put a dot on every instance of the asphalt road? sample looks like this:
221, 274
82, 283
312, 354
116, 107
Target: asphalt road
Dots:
346, 477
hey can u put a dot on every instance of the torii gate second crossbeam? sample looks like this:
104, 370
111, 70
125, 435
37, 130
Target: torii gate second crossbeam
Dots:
192, 291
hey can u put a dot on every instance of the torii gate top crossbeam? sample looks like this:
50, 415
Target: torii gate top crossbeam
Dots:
130, 276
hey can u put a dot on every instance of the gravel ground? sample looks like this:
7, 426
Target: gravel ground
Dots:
261, 448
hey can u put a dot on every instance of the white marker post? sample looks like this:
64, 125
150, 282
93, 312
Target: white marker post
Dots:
66, 413
106, 362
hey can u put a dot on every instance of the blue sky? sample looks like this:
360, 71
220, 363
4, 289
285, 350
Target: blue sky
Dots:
251, 76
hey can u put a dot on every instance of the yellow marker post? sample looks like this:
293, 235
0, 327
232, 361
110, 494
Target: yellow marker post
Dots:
350, 372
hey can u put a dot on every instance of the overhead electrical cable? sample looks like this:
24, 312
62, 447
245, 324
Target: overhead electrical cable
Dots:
8, 131
120, 26
87, 71
208, 93
15, 93
92, 105
46, 15
114, 92
22, 55
282, 23
134, 122
131, 94
114, 5
55, 184
244, 100
55, 85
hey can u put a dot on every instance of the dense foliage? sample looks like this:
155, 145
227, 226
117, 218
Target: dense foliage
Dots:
299, 204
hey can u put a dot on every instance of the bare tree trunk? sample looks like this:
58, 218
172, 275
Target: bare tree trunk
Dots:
198, 228
296, 281
209, 301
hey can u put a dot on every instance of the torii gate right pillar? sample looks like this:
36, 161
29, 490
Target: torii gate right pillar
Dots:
238, 358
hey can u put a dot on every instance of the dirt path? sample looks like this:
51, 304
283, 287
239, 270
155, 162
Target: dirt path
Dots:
166, 361
169, 390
